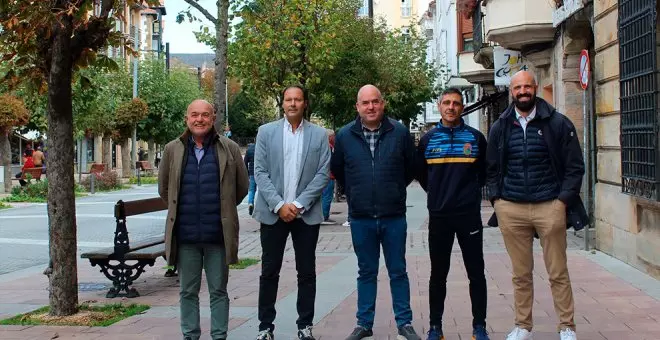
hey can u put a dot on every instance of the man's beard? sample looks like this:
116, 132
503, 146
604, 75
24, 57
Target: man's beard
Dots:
525, 106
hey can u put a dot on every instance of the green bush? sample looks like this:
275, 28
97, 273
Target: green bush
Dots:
36, 192
105, 181
144, 180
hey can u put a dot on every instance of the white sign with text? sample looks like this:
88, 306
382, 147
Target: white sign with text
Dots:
507, 63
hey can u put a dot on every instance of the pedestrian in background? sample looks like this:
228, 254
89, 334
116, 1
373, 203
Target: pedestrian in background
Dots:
249, 164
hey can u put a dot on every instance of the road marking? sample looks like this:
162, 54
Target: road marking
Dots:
36, 242
109, 216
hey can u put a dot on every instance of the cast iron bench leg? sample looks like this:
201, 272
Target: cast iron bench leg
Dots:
122, 275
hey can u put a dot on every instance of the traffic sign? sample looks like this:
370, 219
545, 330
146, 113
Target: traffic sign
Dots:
584, 69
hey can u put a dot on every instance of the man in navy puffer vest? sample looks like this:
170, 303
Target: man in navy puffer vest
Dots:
202, 178
535, 170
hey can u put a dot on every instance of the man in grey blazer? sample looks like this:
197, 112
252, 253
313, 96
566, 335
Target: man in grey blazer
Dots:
291, 168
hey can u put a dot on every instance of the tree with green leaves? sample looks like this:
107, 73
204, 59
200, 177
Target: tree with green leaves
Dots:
281, 42
46, 43
12, 113
216, 40
404, 76
168, 96
128, 114
97, 93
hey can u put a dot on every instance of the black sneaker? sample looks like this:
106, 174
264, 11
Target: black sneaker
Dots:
360, 333
306, 334
408, 333
266, 334
250, 209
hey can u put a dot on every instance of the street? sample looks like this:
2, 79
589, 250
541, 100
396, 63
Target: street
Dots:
24, 229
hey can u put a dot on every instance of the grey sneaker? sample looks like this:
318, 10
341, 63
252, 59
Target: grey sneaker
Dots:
266, 334
408, 333
306, 334
360, 333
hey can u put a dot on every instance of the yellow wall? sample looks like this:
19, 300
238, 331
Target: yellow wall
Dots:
390, 10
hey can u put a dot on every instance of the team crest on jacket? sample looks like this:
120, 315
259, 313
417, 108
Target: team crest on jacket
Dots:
467, 149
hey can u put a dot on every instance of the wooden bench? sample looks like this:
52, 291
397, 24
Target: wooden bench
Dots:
139, 254
35, 173
144, 166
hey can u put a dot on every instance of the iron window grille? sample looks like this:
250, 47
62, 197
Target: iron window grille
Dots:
638, 67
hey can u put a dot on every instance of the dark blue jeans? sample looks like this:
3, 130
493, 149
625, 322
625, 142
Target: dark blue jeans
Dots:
326, 198
368, 235
251, 190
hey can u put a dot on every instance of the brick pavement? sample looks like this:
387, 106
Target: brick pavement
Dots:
607, 305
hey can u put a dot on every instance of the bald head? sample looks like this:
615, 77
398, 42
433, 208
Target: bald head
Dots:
368, 89
525, 76
371, 106
200, 103
199, 118
523, 91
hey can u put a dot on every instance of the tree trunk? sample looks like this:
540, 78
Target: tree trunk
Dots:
126, 158
152, 152
5, 151
63, 273
221, 63
107, 151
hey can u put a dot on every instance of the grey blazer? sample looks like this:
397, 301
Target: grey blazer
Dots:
269, 171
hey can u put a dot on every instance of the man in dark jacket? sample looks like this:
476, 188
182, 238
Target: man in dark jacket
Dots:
249, 164
451, 168
202, 180
374, 160
535, 170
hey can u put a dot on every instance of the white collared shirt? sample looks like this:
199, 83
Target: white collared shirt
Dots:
525, 120
292, 151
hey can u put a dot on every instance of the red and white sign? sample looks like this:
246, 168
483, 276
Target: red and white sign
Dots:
584, 69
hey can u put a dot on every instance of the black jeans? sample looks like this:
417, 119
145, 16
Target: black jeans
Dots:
273, 242
469, 231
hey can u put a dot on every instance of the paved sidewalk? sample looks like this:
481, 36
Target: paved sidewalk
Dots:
613, 300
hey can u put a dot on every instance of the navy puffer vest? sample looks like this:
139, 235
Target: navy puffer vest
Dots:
198, 219
529, 174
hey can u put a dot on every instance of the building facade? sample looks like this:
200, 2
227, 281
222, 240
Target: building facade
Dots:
627, 215
617, 117
396, 14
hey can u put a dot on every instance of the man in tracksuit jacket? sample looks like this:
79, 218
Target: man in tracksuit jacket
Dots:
451, 167
535, 170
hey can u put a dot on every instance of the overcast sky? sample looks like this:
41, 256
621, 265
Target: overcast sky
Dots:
180, 36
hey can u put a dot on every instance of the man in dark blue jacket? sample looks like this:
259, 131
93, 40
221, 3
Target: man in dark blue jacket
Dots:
374, 160
535, 170
249, 164
451, 168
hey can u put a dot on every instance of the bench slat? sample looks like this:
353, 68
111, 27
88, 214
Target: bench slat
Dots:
143, 206
104, 253
147, 253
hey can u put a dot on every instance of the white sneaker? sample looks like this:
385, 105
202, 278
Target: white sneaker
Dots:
346, 224
567, 334
520, 334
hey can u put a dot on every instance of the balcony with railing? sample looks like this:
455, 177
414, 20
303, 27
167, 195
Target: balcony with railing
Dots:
515, 23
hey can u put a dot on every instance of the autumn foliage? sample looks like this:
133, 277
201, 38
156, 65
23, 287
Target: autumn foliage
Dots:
12, 112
